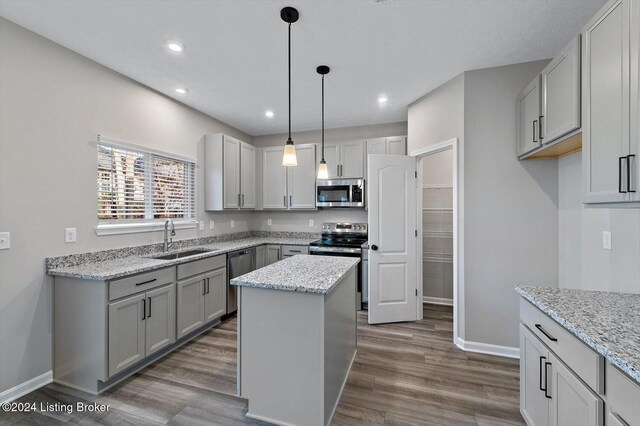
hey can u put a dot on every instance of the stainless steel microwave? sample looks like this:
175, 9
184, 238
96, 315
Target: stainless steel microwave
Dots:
340, 193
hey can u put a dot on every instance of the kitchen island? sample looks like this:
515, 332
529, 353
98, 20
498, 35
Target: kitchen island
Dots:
296, 338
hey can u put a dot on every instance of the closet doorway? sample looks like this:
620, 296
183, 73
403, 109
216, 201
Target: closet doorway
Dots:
438, 226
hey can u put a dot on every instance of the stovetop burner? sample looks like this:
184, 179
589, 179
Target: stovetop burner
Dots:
349, 235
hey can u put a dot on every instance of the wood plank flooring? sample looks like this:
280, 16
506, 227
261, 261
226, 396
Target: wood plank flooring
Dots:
404, 374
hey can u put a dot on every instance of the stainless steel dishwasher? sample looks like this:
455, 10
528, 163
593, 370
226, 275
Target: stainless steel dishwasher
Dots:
238, 263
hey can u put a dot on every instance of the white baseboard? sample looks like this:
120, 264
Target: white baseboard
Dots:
26, 387
489, 349
437, 301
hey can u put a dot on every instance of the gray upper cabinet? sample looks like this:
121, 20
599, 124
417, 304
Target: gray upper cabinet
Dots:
376, 146
571, 402
393, 145
230, 173
561, 94
301, 180
332, 157
529, 118
160, 319
345, 159
126, 333
606, 90
292, 188
533, 402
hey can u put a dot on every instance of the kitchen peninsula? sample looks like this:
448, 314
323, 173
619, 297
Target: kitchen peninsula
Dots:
296, 338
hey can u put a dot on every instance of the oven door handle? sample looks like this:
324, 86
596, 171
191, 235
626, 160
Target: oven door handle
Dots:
334, 250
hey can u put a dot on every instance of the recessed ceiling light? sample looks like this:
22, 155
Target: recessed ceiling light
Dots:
175, 46
182, 90
382, 99
269, 114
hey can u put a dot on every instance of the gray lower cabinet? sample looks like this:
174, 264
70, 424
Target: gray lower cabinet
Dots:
534, 404
273, 254
126, 333
571, 401
261, 256
288, 251
201, 298
139, 326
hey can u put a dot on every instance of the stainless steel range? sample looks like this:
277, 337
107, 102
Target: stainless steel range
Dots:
343, 239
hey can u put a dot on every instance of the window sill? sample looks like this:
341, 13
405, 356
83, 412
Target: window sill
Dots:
139, 227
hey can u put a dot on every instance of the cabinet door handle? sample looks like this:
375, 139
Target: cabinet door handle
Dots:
284, 197
146, 282
144, 310
546, 380
208, 288
540, 368
548, 336
239, 204
338, 170
290, 200
629, 157
149, 316
540, 128
533, 134
204, 286
620, 160
242, 200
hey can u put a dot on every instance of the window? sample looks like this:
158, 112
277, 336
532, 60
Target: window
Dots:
139, 187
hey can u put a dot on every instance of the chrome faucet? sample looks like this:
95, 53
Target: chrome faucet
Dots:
168, 241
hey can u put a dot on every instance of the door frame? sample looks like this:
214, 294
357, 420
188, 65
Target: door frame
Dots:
458, 301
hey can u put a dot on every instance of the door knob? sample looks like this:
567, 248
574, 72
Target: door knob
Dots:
374, 247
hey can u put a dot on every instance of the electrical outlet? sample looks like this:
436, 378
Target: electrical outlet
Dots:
69, 235
233, 223
606, 240
211, 224
202, 225
310, 222
5, 240
269, 222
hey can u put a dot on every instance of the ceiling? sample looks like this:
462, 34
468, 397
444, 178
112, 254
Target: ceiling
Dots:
235, 64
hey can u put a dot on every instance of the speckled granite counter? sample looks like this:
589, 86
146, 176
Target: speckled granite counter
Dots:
302, 273
110, 264
609, 323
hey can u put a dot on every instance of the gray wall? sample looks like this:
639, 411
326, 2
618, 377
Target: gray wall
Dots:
53, 103
511, 206
584, 264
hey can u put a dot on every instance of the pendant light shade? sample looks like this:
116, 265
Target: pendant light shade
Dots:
323, 171
289, 159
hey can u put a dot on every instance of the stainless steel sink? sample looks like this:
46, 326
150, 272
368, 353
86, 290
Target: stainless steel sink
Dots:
181, 254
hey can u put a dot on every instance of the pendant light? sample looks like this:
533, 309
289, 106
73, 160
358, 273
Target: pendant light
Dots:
289, 159
323, 172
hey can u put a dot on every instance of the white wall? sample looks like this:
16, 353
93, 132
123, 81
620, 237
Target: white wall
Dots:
53, 103
584, 264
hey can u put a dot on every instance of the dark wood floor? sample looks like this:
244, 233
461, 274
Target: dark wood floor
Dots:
404, 374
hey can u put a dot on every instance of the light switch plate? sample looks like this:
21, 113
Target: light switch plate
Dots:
233, 223
310, 222
606, 240
70, 235
269, 222
202, 225
211, 224
5, 240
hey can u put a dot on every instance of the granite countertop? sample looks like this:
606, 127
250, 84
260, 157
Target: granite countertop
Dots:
112, 265
607, 322
303, 273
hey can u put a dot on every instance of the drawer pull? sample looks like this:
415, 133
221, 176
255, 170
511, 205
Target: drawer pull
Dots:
548, 336
546, 380
295, 251
147, 282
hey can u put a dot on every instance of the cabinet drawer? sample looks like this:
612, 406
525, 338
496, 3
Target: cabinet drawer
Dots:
623, 396
139, 283
293, 250
201, 266
586, 363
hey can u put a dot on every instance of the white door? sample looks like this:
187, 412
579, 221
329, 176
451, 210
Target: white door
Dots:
302, 179
231, 173
393, 279
274, 179
247, 176
352, 159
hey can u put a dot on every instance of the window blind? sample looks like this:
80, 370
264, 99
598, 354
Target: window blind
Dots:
137, 185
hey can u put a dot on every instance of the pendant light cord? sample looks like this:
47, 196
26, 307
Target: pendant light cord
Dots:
322, 117
289, 81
